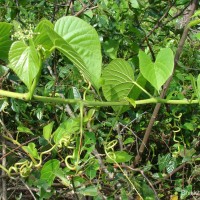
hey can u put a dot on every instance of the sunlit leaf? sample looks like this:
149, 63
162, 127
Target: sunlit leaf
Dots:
157, 73
118, 79
84, 40
3, 70
41, 39
118, 156
134, 3
89, 191
47, 130
163, 161
24, 129
24, 61
66, 129
32, 150
171, 166
5, 41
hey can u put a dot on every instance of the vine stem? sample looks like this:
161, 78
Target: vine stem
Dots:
23, 96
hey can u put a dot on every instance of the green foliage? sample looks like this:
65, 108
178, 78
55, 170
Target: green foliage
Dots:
49, 171
118, 79
65, 134
5, 42
118, 156
84, 40
24, 61
157, 73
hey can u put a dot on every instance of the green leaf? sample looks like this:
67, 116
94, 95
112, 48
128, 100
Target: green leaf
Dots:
92, 169
163, 161
32, 150
88, 191
198, 87
3, 104
24, 61
5, 41
66, 129
124, 194
134, 3
197, 13
49, 170
118, 156
136, 91
171, 165
147, 192
194, 23
24, 129
129, 141
197, 35
42, 37
61, 175
84, 40
3, 70
118, 79
131, 101
188, 126
111, 47
157, 73
60, 44
47, 130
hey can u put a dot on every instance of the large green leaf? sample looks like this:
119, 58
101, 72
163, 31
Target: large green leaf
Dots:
5, 41
84, 40
157, 73
60, 44
118, 79
24, 61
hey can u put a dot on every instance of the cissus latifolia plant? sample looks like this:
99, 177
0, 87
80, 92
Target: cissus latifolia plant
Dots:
79, 42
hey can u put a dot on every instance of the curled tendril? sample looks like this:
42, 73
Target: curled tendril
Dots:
25, 167
111, 145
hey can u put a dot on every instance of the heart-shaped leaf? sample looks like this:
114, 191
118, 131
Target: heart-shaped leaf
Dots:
60, 44
5, 41
84, 41
157, 73
24, 61
118, 79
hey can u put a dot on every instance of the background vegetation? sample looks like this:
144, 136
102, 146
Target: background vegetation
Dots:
153, 148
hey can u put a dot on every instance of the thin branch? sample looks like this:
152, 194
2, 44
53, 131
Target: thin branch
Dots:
29, 189
4, 187
145, 177
13, 150
169, 175
159, 21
